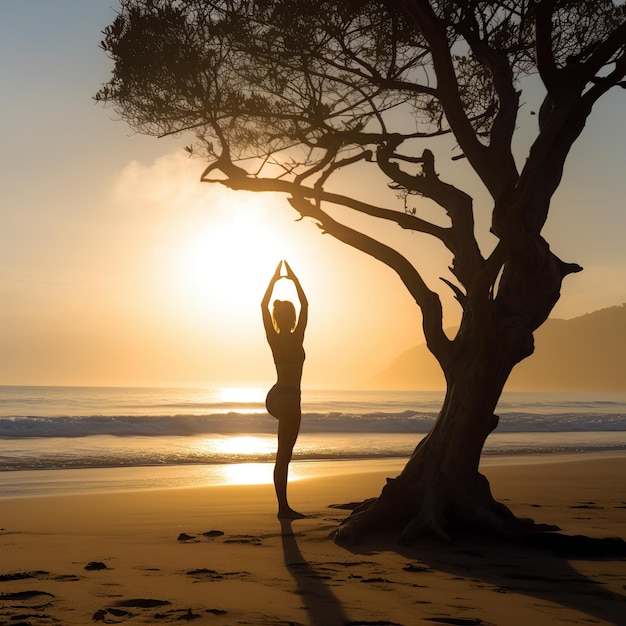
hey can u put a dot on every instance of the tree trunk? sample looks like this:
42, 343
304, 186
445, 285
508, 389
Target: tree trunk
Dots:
440, 488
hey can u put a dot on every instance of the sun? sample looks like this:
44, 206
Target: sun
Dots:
226, 262
221, 259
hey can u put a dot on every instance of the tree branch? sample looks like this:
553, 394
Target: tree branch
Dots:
602, 85
365, 155
427, 300
604, 51
456, 203
503, 126
238, 179
546, 66
330, 155
421, 13
569, 109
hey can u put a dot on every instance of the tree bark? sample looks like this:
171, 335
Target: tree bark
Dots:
441, 487
441, 493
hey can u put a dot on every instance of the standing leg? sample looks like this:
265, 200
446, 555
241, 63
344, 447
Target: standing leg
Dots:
288, 429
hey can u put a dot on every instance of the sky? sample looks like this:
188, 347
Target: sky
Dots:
118, 267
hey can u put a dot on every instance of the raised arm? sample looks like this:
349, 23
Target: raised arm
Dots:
304, 303
265, 303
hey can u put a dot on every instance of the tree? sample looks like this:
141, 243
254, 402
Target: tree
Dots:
289, 95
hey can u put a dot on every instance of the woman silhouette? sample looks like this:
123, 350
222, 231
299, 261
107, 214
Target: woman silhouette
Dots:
283, 400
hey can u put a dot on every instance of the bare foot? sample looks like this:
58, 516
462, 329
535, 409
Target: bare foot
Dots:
289, 513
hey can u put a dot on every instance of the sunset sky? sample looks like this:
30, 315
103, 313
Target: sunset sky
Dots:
117, 267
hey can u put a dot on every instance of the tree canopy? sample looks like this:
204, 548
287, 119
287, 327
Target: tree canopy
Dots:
284, 95
289, 95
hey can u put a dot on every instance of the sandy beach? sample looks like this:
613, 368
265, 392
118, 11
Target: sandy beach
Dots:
218, 555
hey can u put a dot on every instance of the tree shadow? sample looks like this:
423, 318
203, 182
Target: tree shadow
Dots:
503, 567
320, 602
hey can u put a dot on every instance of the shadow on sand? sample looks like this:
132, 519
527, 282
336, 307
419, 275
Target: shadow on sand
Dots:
501, 567
320, 603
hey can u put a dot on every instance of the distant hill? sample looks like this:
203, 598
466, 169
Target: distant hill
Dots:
586, 353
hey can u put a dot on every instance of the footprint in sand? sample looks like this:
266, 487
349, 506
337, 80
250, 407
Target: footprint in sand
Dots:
22, 575
41, 575
111, 615
25, 595
185, 614
106, 615
250, 539
377, 623
103, 615
211, 575
459, 621
141, 603
26, 603
27, 606
93, 566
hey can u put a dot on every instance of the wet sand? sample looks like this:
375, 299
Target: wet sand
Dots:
218, 555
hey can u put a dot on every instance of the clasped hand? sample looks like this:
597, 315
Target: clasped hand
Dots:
290, 275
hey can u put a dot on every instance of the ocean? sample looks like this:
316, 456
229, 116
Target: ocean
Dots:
67, 439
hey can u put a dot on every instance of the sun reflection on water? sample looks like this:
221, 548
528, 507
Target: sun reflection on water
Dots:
246, 473
241, 394
241, 447
244, 445
250, 474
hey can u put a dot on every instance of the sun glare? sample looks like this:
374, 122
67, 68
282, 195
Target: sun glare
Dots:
236, 448
246, 474
245, 445
228, 262
246, 395
252, 473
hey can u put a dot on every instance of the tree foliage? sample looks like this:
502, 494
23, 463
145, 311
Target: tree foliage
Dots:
288, 95
310, 88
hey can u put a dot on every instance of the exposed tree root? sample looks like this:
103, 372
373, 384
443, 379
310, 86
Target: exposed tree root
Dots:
577, 545
444, 515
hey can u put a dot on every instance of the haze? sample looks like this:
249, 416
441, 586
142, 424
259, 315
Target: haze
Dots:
117, 267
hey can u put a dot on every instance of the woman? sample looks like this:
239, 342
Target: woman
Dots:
283, 400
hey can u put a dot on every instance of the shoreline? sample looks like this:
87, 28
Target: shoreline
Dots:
217, 555
105, 480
